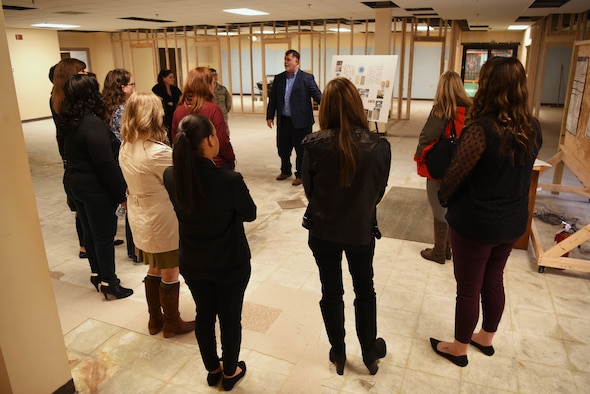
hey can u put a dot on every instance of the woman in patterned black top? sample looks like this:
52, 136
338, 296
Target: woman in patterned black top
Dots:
486, 190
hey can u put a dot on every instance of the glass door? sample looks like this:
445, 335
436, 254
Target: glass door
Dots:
475, 55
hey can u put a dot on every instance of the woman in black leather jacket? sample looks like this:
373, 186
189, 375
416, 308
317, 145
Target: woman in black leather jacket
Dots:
345, 172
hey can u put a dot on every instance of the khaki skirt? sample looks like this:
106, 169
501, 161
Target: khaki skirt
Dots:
162, 260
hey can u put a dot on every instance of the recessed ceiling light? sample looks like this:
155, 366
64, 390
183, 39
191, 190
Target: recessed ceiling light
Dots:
518, 27
55, 25
245, 11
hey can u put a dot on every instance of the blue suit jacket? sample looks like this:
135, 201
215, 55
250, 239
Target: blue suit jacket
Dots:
304, 88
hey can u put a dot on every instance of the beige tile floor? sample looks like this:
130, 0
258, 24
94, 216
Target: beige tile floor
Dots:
543, 343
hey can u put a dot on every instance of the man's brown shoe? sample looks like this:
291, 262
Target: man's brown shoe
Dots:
297, 182
283, 176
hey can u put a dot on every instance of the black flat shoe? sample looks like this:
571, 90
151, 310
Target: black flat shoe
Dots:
214, 378
95, 280
487, 350
118, 242
83, 255
460, 361
116, 290
338, 360
229, 383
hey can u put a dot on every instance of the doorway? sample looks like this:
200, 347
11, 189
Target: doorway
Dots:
168, 61
475, 55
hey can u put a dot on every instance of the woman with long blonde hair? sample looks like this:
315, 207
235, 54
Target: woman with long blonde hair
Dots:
143, 157
345, 172
450, 106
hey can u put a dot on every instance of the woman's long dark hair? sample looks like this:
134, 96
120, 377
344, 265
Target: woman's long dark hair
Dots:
503, 95
81, 98
112, 91
342, 111
192, 130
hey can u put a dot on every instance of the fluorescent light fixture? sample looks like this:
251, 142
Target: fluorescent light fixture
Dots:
227, 33
245, 11
518, 27
55, 25
424, 28
341, 29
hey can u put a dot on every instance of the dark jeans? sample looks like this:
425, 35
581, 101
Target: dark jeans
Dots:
224, 300
479, 270
288, 137
96, 212
328, 256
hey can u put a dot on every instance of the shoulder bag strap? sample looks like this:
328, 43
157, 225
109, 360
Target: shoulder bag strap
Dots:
453, 131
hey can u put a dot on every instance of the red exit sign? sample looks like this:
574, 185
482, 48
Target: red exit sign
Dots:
18, 36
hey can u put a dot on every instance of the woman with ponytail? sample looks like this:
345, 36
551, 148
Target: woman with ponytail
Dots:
212, 205
345, 172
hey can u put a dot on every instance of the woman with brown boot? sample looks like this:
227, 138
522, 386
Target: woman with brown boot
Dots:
143, 157
449, 109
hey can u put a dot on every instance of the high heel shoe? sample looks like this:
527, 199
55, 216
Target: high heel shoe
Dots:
460, 361
487, 350
338, 360
229, 383
380, 352
95, 280
115, 290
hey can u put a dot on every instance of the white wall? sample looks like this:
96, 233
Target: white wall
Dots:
557, 67
31, 59
101, 59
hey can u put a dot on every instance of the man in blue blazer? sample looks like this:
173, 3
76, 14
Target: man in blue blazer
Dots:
290, 99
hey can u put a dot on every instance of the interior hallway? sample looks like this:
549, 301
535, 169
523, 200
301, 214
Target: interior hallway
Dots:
542, 346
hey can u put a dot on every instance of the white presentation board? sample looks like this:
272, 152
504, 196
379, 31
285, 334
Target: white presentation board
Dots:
373, 75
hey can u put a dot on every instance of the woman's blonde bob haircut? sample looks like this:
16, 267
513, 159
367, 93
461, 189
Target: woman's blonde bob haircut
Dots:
143, 118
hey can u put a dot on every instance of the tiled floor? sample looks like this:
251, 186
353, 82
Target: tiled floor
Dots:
543, 343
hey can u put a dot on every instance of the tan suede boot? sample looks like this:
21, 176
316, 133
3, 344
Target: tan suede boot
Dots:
152, 296
438, 252
173, 324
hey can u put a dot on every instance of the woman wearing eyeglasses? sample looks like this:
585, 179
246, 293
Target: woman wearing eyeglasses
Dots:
118, 86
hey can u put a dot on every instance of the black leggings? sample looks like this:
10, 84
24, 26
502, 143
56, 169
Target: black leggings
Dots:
224, 300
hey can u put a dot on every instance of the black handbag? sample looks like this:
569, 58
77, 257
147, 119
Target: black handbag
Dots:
439, 157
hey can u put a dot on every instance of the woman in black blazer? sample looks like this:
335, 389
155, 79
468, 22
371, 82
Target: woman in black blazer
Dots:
211, 205
93, 180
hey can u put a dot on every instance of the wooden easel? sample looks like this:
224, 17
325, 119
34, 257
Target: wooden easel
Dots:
573, 152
